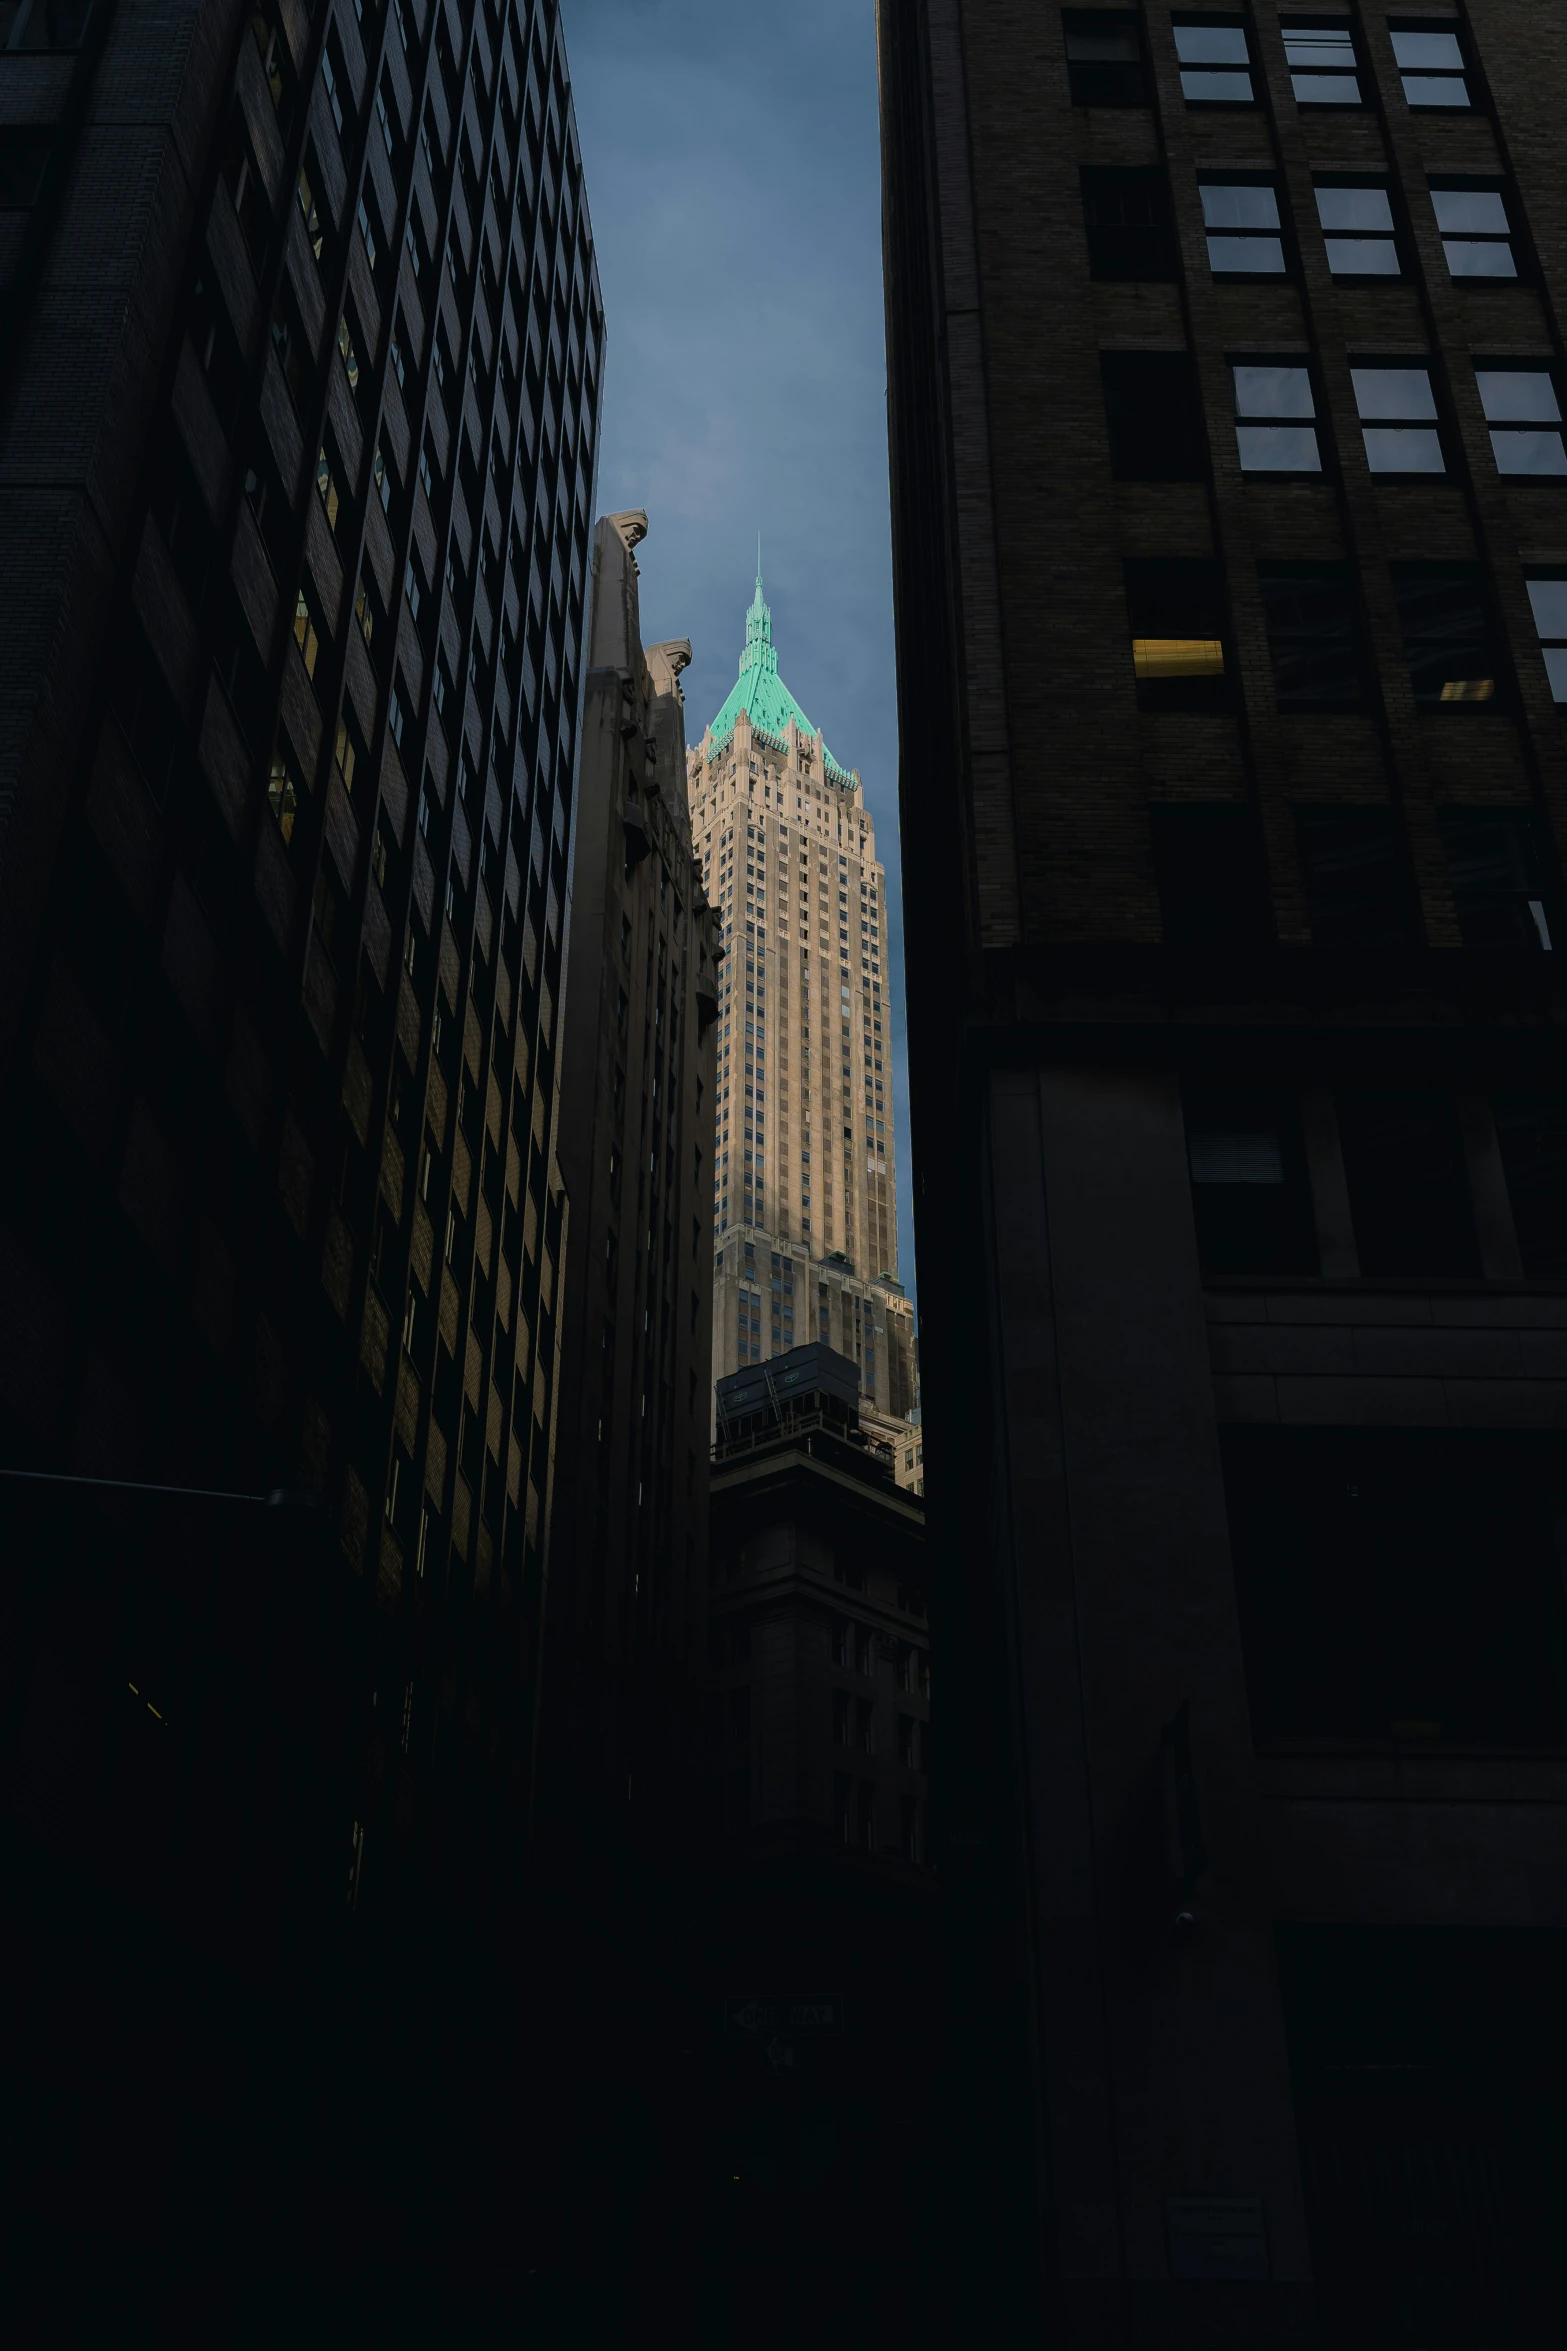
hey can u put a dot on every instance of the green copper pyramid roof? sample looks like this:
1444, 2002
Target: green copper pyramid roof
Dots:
759, 691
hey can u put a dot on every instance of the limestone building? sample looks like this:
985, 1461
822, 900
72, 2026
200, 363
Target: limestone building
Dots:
804, 1178
626, 1607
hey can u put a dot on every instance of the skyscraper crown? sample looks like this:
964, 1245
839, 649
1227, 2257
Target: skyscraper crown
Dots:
759, 691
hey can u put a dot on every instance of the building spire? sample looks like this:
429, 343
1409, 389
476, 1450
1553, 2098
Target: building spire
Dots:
759, 653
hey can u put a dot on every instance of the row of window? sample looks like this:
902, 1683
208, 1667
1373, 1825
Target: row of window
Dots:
1360, 890
1406, 1170
1400, 1586
854, 1725
1106, 65
43, 24
1157, 430
1131, 237
854, 1820
1245, 230
1316, 635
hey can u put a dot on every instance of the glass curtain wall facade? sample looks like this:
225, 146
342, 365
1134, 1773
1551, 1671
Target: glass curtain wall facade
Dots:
298, 456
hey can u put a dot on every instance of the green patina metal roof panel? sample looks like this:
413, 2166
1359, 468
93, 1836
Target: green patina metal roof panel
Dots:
759, 691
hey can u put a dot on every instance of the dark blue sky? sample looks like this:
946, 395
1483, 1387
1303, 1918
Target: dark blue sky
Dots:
733, 179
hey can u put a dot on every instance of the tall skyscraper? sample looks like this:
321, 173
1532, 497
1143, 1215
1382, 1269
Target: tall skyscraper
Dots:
626, 1611
303, 353
805, 1171
1225, 358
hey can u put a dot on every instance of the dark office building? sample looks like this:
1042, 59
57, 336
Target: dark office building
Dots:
823, 1893
819, 1644
627, 1601
1231, 571
302, 366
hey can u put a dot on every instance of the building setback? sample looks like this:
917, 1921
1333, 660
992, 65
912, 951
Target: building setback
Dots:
1225, 357
819, 1647
804, 1184
627, 1601
303, 357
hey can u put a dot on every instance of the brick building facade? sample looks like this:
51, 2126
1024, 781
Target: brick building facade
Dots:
1231, 571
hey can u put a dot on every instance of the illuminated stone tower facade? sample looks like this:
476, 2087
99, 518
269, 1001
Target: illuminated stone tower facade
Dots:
804, 1184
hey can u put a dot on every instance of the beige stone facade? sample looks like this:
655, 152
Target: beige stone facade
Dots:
805, 1217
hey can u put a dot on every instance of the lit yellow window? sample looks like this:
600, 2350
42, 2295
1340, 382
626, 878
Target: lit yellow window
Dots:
1178, 657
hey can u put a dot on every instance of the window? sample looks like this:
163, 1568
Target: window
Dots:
284, 796
1176, 613
217, 352
1274, 413
291, 347
1408, 1184
367, 232
1215, 64
1548, 600
1476, 232
307, 635
326, 905
1398, 420
148, 716
1525, 417
346, 751
381, 476
1242, 220
332, 76
1251, 1193
350, 357
1431, 65
1313, 635
1104, 58
1532, 1131
1127, 216
240, 176
1155, 420
1321, 59
23, 154
310, 212
1436, 1546
326, 484
1358, 886
1447, 634
1213, 881
1495, 865
1358, 231
44, 24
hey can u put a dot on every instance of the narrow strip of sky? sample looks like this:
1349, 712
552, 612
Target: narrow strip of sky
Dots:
734, 180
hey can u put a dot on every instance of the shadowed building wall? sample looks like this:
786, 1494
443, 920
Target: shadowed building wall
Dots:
1227, 452
302, 366
628, 1579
